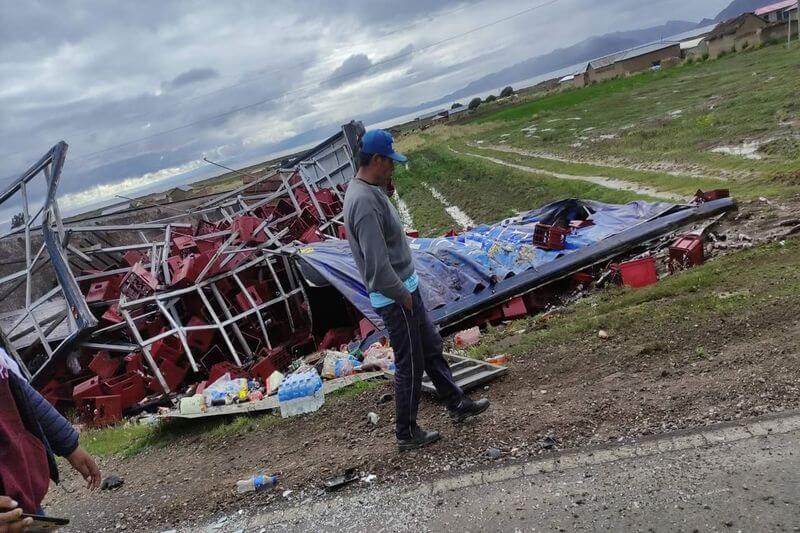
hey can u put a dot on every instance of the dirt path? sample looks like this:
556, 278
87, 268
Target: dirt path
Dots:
665, 167
603, 181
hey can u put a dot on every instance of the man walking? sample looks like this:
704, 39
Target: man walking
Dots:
383, 258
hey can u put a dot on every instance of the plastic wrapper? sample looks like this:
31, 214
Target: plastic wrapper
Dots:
338, 364
378, 357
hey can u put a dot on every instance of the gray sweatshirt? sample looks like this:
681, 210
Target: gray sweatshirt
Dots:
377, 240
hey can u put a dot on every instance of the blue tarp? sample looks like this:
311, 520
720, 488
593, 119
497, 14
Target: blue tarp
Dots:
453, 267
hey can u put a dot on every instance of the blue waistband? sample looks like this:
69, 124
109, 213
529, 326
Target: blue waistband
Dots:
378, 300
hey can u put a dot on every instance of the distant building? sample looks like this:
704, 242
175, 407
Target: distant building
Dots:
778, 12
569, 79
694, 48
629, 61
735, 35
183, 192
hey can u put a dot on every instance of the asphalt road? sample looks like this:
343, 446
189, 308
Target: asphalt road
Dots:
729, 478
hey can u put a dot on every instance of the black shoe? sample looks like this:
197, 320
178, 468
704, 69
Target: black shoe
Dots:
419, 438
468, 408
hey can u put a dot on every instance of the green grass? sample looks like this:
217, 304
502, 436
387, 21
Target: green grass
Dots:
486, 191
130, 439
713, 290
745, 96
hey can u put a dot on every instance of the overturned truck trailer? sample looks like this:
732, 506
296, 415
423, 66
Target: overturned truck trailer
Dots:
112, 316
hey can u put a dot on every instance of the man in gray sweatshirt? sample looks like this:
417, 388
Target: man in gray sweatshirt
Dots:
383, 257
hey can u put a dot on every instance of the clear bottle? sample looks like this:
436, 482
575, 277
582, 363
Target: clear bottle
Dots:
256, 483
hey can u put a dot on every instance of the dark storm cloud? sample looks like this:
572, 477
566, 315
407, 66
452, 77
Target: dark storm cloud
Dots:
190, 76
359, 66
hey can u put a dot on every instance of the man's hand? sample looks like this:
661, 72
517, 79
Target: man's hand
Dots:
85, 465
408, 303
11, 519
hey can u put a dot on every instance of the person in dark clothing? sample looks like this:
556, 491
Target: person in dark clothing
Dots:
32, 432
383, 257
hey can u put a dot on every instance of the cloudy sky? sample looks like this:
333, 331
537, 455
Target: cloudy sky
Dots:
143, 90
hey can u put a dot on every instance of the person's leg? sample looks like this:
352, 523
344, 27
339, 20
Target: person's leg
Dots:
404, 337
436, 365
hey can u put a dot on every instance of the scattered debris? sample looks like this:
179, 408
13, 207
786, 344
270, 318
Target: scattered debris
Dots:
373, 418
385, 398
468, 337
549, 442
603, 334
345, 478
256, 483
498, 359
369, 478
493, 453
111, 483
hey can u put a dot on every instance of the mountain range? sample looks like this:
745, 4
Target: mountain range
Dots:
592, 48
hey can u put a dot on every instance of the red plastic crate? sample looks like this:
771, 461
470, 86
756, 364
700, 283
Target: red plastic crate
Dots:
105, 366
578, 224
134, 362
550, 237
173, 374
365, 328
183, 244
246, 227
687, 252
414, 234
639, 272
103, 290
132, 257
167, 348
581, 278
129, 387
257, 291
55, 391
341, 232
226, 367
200, 340
539, 299
85, 389
336, 337
138, 283
189, 268
112, 315
101, 410
514, 308
709, 196
310, 235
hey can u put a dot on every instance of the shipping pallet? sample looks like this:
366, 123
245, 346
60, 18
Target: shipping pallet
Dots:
468, 373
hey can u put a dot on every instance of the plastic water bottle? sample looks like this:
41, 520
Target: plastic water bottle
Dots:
256, 483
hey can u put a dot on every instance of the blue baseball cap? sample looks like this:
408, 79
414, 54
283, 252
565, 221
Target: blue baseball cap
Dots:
380, 142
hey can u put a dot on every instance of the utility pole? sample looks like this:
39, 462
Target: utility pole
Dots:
797, 17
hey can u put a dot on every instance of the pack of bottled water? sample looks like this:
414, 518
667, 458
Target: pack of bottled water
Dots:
300, 393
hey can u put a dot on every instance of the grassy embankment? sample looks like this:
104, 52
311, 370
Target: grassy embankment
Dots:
749, 282
750, 96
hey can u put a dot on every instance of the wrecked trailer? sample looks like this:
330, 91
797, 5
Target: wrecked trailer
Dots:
468, 274
247, 281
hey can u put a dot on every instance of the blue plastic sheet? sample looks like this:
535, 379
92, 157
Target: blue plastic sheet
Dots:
475, 261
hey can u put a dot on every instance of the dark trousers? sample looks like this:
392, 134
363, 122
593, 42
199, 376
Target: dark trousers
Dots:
417, 347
